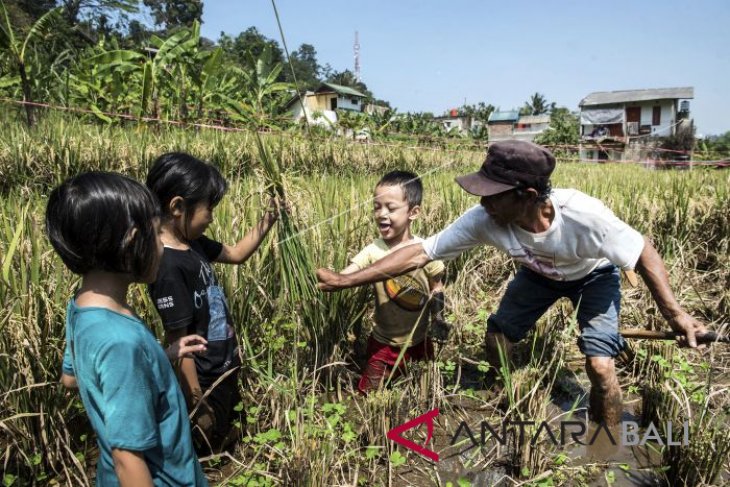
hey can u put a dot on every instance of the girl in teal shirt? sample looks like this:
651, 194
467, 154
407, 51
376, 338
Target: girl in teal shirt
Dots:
105, 227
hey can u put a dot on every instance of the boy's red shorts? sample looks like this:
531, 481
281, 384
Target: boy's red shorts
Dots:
382, 359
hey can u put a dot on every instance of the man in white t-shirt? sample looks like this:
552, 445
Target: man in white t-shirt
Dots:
568, 244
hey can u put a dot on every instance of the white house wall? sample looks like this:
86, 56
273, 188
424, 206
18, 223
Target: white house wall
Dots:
328, 119
347, 104
296, 111
666, 117
325, 118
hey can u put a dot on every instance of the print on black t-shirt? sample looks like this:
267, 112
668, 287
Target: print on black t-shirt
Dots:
187, 295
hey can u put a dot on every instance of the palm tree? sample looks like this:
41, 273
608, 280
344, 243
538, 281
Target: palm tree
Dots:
537, 105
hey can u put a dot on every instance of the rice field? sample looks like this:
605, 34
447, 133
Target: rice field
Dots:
304, 424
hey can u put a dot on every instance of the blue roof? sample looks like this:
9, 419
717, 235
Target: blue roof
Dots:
510, 116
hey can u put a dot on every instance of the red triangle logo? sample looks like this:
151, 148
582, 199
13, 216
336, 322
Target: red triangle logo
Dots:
428, 418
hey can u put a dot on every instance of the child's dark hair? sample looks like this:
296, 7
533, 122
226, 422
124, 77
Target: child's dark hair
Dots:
90, 220
410, 182
179, 174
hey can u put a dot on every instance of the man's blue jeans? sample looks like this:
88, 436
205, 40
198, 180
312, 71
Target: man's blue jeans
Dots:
597, 297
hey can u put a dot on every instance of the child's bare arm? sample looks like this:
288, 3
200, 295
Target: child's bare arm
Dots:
131, 469
203, 416
396, 263
69, 381
186, 365
241, 251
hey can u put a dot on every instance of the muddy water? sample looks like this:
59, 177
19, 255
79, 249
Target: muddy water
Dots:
605, 460
486, 465
628, 465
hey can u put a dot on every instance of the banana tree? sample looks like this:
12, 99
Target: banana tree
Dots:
351, 122
18, 50
154, 68
262, 90
209, 80
382, 123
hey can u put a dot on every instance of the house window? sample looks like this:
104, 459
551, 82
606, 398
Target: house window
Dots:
656, 116
333, 104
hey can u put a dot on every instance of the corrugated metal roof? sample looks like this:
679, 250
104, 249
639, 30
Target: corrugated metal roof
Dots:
509, 116
625, 96
532, 119
342, 90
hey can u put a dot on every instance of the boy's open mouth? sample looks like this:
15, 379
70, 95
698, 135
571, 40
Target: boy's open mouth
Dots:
384, 226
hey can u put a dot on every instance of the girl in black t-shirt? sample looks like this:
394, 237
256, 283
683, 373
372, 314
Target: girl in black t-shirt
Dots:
187, 294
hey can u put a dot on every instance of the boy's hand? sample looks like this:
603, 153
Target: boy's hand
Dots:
185, 347
439, 331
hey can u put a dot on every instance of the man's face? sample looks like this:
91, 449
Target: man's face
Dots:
504, 208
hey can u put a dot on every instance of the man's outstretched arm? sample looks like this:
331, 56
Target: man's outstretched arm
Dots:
651, 268
399, 262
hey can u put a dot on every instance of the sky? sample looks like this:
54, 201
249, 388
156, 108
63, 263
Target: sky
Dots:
435, 55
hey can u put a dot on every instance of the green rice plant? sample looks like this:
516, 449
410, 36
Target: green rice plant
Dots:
34, 433
525, 398
703, 460
654, 365
678, 392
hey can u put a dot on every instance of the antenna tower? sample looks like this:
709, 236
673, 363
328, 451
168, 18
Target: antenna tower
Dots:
356, 49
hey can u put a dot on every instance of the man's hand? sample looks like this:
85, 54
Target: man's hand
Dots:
684, 323
329, 280
185, 347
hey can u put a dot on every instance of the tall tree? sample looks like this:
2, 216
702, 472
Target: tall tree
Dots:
347, 78
138, 34
480, 111
74, 9
537, 105
24, 12
262, 85
306, 68
176, 13
564, 129
250, 44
